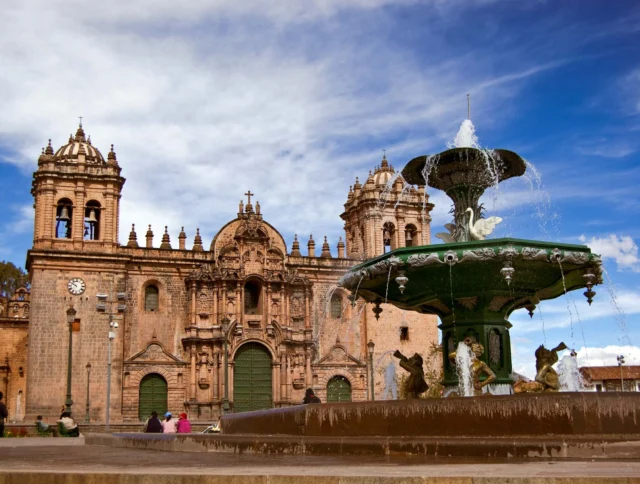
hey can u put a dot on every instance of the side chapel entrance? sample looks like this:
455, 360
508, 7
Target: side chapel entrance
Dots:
153, 396
252, 388
338, 390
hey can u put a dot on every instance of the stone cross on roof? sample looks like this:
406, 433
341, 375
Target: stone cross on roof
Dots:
249, 195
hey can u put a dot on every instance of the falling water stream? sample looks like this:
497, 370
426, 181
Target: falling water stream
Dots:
464, 359
569, 374
564, 286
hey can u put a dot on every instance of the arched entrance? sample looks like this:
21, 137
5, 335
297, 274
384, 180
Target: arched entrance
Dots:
153, 396
338, 390
252, 378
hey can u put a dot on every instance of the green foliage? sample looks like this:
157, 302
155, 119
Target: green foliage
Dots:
12, 278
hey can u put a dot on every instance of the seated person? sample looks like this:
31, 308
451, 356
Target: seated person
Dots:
69, 425
44, 428
310, 397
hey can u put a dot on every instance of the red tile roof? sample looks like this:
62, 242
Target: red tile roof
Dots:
598, 373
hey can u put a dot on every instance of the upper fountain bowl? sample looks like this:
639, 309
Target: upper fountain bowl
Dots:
465, 166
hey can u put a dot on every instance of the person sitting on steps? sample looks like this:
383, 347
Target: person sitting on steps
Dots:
310, 397
68, 426
43, 428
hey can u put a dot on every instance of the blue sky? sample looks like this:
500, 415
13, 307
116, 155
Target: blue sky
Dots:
293, 100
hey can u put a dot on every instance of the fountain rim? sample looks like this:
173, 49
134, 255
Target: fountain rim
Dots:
515, 165
475, 244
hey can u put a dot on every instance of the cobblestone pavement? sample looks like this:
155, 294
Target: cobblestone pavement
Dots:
71, 456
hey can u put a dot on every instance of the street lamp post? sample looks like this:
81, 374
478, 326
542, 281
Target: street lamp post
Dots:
71, 317
87, 418
371, 346
225, 334
620, 359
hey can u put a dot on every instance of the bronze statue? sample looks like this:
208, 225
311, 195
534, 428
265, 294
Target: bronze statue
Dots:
546, 376
478, 367
415, 384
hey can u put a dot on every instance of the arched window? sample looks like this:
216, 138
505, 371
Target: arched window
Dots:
92, 221
388, 237
336, 306
252, 299
151, 298
64, 218
410, 236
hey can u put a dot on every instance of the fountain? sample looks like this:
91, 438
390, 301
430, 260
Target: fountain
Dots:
472, 283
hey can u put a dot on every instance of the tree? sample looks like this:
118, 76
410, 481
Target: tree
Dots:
12, 278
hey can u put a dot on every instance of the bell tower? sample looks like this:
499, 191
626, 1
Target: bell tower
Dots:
384, 214
76, 197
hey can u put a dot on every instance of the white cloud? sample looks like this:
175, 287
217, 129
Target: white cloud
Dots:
607, 356
622, 249
206, 100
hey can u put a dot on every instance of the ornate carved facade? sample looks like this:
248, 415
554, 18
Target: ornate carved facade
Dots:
246, 322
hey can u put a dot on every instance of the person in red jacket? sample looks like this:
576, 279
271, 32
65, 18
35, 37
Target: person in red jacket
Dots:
184, 426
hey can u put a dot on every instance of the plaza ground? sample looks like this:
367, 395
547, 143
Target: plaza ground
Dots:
45, 460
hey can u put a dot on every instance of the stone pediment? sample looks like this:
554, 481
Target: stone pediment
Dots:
338, 355
153, 353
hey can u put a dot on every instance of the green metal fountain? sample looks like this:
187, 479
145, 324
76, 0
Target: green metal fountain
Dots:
473, 284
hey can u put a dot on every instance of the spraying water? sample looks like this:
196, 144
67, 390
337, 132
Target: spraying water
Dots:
569, 375
464, 359
466, 137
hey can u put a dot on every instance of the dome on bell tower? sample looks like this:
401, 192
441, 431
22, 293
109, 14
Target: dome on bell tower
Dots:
78, 146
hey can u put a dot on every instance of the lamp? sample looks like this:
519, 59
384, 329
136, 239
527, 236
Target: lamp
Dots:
71, 317
225, 334
370, 347
86, 417
620, 359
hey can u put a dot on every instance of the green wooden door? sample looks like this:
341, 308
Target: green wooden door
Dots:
252, 378
153, 396
338, 390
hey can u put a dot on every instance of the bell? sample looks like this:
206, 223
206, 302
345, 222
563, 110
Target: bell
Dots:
64, 215
409, 238
92, 217
385, 234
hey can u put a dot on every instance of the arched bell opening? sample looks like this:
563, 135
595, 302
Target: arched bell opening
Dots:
410, 236
388, 237
92, 220
64, 216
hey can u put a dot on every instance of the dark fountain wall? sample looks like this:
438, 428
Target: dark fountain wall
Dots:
547, 414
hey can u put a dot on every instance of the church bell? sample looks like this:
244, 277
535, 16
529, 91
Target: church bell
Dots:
92, 217
64, 215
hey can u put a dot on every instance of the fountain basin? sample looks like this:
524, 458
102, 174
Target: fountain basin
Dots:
474, 286
609, 414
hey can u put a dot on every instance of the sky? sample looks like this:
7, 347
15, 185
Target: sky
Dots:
205, 100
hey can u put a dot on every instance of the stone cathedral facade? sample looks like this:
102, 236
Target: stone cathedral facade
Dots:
278, 312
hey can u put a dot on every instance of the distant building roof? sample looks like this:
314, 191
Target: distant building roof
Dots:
597, 373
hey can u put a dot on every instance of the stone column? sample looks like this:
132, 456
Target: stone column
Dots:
267, 305
307, 310
308, 380
239, 304
400, 233
193, 372
231, 363
274, 382
283, 376
193, 303
288, 378
214, 371
107, 217
216, 317
78, 214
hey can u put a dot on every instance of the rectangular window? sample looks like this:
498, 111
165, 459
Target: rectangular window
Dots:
598, 387
404, 333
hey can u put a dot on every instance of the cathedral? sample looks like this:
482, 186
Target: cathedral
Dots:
241, 323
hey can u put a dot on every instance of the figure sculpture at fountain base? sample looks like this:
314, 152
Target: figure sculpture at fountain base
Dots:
547, 379
415, 385
477, 368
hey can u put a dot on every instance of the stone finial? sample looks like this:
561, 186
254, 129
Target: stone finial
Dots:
340, 249
357, 185
149, 237
295, 248
80, 134
241, 207
311, 245
89, 140
49, 149
385, 164
326, 251
166, 243
111, 157
70, 138
182, 240
133, 237
350, 194
257, 208
197, 242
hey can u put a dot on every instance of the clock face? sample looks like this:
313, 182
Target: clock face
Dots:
76, 286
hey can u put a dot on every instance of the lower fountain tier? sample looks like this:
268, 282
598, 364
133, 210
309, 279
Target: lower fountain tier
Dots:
546, 414
474, 286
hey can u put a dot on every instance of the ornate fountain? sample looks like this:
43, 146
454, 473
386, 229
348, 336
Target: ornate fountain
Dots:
473, 284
